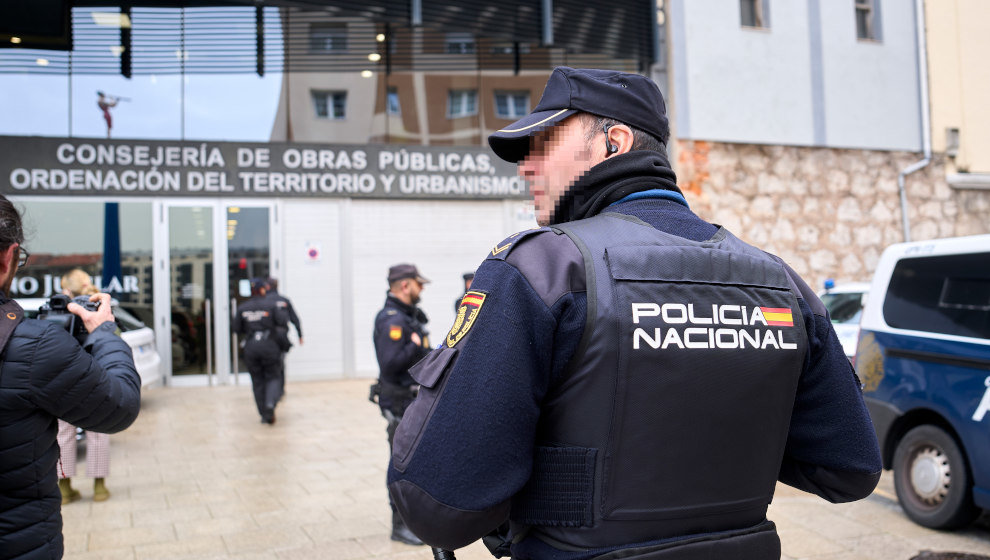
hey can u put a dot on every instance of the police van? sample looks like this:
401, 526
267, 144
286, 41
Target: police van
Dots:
924, 359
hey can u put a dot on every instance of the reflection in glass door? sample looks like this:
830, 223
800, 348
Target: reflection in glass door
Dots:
190, 246
206, 252
248, 256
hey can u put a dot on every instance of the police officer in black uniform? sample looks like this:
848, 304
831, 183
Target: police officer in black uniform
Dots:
283, 303
401, 340
468, 278
631, 381
262, 324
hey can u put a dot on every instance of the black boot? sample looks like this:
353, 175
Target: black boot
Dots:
402, 533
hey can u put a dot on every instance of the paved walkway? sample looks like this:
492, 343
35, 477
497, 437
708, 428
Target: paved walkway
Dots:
198, 477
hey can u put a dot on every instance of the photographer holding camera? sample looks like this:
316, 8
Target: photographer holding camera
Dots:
76, 283
45, 375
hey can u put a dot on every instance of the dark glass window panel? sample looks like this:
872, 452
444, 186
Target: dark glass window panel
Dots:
918, 286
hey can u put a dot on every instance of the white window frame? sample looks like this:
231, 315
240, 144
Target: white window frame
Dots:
459, 43
328, 38
392, 105
871, 9
509, 48
329, 98
761, 11
457, 103
511, 97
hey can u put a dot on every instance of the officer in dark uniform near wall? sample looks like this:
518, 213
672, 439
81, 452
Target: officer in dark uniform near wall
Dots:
468, 278
263, 325
401, 340
285, 305
630, 381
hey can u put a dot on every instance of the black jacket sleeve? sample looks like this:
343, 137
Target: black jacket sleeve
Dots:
396, 353
832, 448
293, 318
96, 389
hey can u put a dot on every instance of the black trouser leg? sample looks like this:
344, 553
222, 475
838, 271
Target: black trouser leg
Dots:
393, 423
272, 384
400, 532
257, 371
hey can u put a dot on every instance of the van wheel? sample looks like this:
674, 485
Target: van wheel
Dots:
931, 479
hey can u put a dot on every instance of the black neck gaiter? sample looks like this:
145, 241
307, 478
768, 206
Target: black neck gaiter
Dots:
612, 180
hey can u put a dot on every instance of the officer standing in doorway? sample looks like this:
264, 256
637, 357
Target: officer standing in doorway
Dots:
627, 380
263, 325
401, 340
468, 278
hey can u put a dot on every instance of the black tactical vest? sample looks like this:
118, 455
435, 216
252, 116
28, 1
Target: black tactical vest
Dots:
674, 412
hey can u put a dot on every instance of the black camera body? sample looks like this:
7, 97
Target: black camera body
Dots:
57, 311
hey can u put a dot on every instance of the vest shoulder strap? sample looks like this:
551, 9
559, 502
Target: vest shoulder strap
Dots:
503, 248
11, 315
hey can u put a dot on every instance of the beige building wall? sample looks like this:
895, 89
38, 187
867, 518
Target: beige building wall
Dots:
959, 74
296, 119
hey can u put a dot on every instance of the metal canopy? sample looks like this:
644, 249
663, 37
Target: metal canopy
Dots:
216, 37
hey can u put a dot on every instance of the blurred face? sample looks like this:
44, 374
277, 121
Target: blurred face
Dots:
414, 288
557, 157
407, 290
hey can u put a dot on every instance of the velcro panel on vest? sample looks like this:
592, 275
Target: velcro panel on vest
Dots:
559, 492
754, 543
687, 264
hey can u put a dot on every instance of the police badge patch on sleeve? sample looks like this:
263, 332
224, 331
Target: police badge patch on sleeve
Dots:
467, 312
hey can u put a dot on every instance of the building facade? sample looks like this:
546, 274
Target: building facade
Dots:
318, 144
795, 120
321, 144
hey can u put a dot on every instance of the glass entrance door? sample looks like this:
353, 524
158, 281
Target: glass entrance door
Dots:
248, 257
206, 255
190, 245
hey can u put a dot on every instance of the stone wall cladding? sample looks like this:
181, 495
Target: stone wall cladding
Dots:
828, 212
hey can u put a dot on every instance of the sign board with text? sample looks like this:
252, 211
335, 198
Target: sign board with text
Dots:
88, 166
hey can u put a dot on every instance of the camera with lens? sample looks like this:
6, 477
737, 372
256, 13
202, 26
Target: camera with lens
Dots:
57, 311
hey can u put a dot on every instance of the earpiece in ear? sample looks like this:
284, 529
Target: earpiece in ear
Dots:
610, 148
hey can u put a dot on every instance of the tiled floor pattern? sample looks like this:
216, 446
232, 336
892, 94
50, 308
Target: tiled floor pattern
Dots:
199, 477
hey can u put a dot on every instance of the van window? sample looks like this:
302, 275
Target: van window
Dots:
844, 307
948, 294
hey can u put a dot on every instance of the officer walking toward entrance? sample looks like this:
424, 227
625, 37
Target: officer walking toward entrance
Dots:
628, 380
263, 325
401, 340
283, 303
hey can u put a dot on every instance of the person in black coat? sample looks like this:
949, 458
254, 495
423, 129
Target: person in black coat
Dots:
401, 340
263, 325
47, 375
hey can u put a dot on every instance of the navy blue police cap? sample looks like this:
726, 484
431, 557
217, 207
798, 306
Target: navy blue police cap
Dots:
403, 271
628, 98
257, 284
